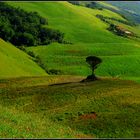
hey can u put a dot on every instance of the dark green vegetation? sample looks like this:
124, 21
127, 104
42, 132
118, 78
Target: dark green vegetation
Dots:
105, 19
61, 106
25, 28
39, 107
118, 30
93, 62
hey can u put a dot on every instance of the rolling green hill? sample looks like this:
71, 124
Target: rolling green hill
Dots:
76, 22
35, 105
129, 9
15, 63
89, 37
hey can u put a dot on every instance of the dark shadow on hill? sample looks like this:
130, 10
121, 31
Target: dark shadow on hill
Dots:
57, 84
86, 80
90, 78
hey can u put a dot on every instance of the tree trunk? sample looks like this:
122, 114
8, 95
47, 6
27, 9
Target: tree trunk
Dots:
93, 77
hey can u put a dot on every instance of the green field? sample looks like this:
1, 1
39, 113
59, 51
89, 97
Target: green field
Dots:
42, 109
16, 63
84, 30
34, 104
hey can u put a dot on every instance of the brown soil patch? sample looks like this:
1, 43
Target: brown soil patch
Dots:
2, 85
84, 136
92, 115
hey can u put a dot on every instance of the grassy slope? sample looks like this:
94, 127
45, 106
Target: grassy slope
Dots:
15, 63
37, 110
108, 5
89, 37
76, 22
129, 9
132, 6
34, 109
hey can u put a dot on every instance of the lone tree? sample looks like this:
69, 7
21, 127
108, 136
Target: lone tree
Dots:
93, 62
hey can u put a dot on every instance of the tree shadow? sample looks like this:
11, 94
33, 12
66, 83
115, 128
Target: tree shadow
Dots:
58, 84
86, 80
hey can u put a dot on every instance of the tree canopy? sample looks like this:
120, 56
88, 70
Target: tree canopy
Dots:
25, 28
93, 62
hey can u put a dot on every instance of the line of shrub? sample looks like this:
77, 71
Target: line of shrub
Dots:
105, 19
